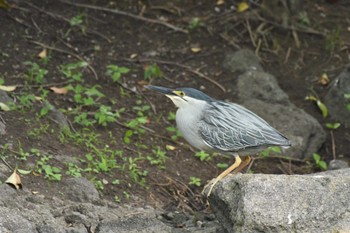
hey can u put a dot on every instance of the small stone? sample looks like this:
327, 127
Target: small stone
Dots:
337, 164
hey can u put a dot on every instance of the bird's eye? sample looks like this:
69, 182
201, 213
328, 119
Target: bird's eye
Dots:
181, 94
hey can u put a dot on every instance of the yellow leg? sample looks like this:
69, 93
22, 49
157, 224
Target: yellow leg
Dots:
237, 167
244, 163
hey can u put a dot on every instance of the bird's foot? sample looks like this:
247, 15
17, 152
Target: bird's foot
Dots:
209, 186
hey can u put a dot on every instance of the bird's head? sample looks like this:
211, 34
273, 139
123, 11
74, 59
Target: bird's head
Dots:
182, 96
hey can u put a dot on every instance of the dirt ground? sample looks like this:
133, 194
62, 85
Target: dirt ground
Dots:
187, 40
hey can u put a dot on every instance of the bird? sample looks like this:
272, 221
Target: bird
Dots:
219, 126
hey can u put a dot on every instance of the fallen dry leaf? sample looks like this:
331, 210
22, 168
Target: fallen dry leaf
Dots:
324, 80
59, 90
196, 49
243, 6
7, 88
134, 55
38, 98
220, 2
170, 147
4, 4
4, 107
14, 180
43, 53
142, 82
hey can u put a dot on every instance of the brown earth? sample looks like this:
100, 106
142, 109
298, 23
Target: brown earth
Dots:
136, 37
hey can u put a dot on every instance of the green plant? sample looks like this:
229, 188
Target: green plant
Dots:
222, 165
38, 132
117, 199
98, 184
78, 21
45, 109
347, 98
304, 18
203, 156
135, 125
195, 23
152, 71
105, 115
333, 126
73, 70
159, 157
116, 181
25, 101
51, 172
126, 195
34, 74
136, 174
74, 170
319, 162
176, 133
23, 155
116, 72
171, 116
332, 39
319, 103
273, 149
195, 181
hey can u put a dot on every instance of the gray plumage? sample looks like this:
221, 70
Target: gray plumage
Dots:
210, 124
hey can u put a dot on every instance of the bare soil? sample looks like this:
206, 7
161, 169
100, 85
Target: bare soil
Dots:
136, 37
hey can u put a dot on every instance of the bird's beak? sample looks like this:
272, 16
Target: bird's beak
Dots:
163, 90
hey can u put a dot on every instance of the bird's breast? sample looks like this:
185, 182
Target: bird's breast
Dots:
187, 123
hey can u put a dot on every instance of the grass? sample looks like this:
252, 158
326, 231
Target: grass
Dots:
88, 109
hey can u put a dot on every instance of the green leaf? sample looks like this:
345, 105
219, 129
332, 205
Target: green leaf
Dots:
348, 107
333, 125
316, 157
24, 172
323, 108
276, 149
322, 165
222, 165
4, 107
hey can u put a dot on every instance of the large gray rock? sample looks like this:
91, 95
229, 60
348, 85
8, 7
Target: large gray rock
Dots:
241, 61
23, 212
284, 203
80, 189
260, 92
335, 99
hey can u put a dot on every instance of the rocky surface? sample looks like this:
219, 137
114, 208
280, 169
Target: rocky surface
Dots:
79, 209
336, 100
284, 203
260, 92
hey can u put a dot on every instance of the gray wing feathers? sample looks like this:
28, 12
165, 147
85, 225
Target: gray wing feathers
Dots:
231, 127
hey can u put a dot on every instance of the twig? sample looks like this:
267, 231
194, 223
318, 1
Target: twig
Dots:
188, 68
150, 131
280, 157
43, 85
287, 55
250, 33
67, 52
56, 16
2, 120
296, 37
229, 40
8, 165
137, 17
304, 30
333, 146
3, 160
